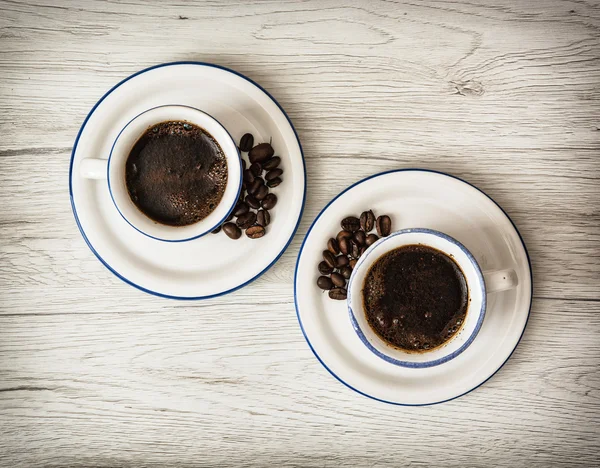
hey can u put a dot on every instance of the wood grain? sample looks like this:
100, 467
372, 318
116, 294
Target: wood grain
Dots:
144, 387
502, 94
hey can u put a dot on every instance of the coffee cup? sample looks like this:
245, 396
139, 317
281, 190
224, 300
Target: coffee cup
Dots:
478, 285
113, 169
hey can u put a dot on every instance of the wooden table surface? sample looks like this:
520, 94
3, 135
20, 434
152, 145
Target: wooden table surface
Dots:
503, 94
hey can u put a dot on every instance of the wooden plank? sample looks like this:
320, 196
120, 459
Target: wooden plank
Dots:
556, 215
201, 386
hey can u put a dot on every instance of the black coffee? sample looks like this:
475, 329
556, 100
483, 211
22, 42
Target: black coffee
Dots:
176, 173
415, 297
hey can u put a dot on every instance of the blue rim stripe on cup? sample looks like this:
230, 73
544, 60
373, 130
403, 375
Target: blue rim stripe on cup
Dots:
435, 362
212, 228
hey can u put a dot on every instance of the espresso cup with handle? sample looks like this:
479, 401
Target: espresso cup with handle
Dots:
112, 170
479, 284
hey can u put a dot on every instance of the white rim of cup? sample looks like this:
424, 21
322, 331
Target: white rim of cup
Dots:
423, 364
208, 230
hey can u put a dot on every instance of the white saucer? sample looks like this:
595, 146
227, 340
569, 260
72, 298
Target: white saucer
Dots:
212, 265
425, 199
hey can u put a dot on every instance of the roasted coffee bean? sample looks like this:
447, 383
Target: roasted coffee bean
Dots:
256, 169
269, 201
244, 186
243, 164
338, 280
333, 246
274, 182
352, 263
367, 221
263, 218
217, 230
240, 209
254, 186
252, 202
343, 234
355, 249
360, 237
325, 269
273, 174
248, 177
345, 246
338, 294
362, 251
261, 193
371, 239
232, 230
341, 261
246, 142
261, 153
246, 220
325, 283
329, 258
255, 232
383, 225
351, 223
346, 272
271, 163
229, 218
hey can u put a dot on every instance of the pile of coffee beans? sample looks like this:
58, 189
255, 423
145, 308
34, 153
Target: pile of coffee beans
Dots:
345, 249
262, 174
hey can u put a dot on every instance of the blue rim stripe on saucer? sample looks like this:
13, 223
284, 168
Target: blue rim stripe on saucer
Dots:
296, 282
87, 241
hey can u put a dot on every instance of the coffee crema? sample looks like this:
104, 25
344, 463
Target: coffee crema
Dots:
176, 173
415, 298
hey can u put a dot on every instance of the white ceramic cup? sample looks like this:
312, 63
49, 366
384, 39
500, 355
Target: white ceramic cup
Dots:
477, 286
113, 171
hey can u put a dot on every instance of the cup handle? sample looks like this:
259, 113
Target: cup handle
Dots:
500, 280
93, 168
